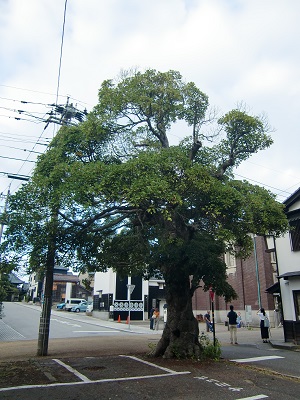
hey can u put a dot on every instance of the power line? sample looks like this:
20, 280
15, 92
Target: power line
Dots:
30, 90
17, 159
263, 184
61, 50
19, 148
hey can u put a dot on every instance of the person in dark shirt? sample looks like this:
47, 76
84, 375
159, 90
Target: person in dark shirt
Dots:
151, 318
208, 322
232, 316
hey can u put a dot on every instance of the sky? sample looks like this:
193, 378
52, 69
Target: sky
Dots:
236, 51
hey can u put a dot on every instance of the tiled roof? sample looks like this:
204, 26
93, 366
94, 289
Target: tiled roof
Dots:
65, 278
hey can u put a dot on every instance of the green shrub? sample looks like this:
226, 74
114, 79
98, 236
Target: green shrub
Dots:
209, 349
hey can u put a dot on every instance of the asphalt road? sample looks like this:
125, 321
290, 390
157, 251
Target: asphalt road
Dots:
94, 366
21, 322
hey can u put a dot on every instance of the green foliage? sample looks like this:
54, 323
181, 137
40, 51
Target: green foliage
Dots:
210, 350
6, 289
128, 200
152, 347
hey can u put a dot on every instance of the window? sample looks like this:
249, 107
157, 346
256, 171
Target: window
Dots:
297, 303
295, 235
230, 263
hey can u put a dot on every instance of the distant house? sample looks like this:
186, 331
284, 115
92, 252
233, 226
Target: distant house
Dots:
14, 280
112, 296
288, 256
17, 283
65, 286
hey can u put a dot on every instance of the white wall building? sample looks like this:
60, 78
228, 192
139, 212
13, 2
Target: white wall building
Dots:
288, 259
112, 295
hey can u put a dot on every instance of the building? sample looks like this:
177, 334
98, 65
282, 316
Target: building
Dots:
250, 278
116, 297
16, 290
288, 257
65, 286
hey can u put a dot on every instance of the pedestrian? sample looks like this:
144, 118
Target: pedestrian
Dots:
155, 316
207, 320
239, 320
232, 324
151, 318
264, 325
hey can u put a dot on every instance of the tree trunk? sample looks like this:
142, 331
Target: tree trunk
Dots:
44, 328
181, 333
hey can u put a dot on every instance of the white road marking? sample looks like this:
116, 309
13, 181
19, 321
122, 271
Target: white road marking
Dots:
107, 331
218, 383
85, 380
259, 396
253, 359
65, 322
7, 389
154, 365
74, 371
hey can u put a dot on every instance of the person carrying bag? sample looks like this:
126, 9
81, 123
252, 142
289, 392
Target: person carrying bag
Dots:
264, 325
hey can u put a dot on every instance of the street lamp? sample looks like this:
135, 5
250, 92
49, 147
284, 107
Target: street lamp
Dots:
130, 290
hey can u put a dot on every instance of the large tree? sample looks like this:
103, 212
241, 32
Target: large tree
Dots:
127, 199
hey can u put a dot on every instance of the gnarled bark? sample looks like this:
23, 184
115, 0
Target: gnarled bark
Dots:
180, 338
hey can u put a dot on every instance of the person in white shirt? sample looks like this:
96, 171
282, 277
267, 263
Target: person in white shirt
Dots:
264, 325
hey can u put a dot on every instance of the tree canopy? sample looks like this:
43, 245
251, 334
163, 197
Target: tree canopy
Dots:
127, 199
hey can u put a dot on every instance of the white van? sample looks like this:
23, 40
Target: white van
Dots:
70, 303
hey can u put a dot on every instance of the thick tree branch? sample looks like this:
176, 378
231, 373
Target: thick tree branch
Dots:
195, 148
104, 214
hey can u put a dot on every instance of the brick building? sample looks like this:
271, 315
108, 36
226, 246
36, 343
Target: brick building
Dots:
250, 278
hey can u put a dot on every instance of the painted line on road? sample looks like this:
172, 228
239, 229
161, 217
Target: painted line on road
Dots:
65, 322
253, 359
170, 371
73, 370
89, 382
260, 396
107, 331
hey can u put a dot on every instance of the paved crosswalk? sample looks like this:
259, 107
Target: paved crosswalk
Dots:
9, 334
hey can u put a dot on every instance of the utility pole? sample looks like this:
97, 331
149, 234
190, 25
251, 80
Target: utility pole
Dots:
3, 214
1, 232
44, 328
67, 114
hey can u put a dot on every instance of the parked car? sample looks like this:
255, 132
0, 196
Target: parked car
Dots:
80, 307
61, 306
70, 303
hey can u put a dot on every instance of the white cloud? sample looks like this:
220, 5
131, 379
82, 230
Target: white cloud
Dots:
235, 50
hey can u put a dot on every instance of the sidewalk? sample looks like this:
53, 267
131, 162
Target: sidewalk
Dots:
248, 336
137, 340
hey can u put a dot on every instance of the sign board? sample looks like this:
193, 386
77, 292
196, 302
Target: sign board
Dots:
211, 293
130, 288
248, 311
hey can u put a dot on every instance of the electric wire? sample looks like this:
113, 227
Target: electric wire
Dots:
58, 81
19, 148
17, 159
